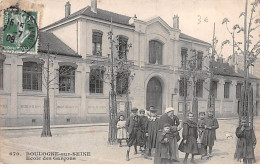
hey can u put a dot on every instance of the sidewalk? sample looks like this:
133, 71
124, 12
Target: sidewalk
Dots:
54, 126
83, 125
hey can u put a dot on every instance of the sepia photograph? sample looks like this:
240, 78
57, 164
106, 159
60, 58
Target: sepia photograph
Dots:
129, 82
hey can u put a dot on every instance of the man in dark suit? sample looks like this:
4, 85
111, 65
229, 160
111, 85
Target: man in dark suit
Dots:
133, 126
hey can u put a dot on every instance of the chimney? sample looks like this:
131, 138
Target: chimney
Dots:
94, 6
67, 9
176, 22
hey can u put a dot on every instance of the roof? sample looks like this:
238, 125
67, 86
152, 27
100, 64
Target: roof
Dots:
187, 37
225, 69
101, 14
56, 46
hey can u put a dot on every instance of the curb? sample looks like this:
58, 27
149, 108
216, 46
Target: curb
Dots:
54, 126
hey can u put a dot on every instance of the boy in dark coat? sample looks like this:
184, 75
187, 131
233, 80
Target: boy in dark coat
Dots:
142, 133
189, 144
133, 128
151, 130
246, 143
210, 131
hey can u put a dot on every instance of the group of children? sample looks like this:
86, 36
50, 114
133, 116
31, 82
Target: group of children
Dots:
162, 134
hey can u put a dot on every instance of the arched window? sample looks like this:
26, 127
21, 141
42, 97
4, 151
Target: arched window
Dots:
97, 43
67, 79
155, 52
32, 76
96, 80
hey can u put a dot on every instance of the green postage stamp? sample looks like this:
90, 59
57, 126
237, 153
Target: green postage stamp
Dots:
20, 31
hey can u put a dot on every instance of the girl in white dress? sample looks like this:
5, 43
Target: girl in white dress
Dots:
121, 130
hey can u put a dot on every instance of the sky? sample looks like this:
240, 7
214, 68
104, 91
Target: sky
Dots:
189, 12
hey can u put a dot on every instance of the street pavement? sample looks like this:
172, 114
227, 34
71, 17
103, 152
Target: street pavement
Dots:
89, 145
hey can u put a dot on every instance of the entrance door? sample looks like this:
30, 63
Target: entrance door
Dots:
154, 94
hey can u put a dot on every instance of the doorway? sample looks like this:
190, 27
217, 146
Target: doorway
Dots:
154, 94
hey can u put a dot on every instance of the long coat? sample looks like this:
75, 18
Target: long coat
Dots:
210, 134
189, 134
141, 133
168, 149
164, 119
151, 129
245, 144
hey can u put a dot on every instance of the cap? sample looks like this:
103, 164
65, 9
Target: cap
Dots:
202, 113
152, 109
134, 109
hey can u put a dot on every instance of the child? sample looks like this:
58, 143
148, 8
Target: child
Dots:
141, 135
151, 131
210, 132
246, 143
165, 151
201, 130
189, 144
121, 130
133, 127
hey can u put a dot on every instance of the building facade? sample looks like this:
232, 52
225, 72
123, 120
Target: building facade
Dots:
78, 44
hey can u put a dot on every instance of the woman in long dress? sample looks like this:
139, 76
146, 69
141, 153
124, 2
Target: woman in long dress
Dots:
167, 118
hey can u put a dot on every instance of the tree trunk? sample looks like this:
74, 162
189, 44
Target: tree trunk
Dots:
46, 131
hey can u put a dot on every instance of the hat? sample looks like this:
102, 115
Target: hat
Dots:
166, 125
152, 109
202, 113
134, 109
168, 109
142, 111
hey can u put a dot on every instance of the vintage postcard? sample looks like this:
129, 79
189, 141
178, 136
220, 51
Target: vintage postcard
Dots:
129, 81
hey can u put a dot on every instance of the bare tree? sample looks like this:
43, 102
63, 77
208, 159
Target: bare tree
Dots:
52, 81
117, 73
250, 51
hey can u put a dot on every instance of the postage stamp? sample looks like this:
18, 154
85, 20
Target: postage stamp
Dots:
20, 31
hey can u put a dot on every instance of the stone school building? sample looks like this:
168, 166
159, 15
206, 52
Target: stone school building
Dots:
159, 52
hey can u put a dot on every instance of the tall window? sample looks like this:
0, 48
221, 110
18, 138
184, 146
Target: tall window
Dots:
122, 83
122, 47
1, 74
67, 79
214, 88
32, 76
257, 90
155, 52
226, 90
238, 90
199, 88
199, 60
182, 87
183, 57
97, 43
96, 81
